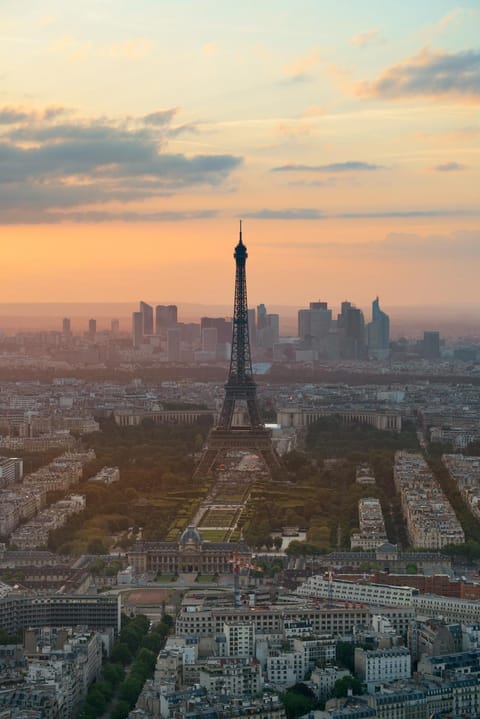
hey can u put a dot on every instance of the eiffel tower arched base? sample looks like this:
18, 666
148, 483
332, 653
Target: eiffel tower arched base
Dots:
257, 440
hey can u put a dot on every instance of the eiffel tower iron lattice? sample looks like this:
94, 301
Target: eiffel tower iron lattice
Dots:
240, 386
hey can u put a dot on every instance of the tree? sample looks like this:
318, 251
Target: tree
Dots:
113, 673
96, 546
96, 699
121, 653
277, 542
298, 700
345, 655
343, 685
120, 710
146, 659
130, 689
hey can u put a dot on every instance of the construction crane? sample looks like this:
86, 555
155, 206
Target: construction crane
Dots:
237, 565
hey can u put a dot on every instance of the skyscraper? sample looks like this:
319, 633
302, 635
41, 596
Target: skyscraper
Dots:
115, 327
261, 317
92, 328
166, 316
173, 344
147, 312
314, 323
66, 326
137, 329
222, 325
378, 331
351, 325
431, 345
268, 328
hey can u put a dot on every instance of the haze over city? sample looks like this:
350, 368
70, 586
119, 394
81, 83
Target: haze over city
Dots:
134, 135
239, 359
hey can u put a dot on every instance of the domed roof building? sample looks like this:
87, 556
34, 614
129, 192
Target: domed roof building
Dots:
189, 555
190, 535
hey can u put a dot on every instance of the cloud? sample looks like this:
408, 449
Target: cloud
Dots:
133, 49
300, 70
314, 111
365, 38
50, 163
351, 166
12, 115
450, 167
439, 75
316, 214
37, 217
19, 115
161, 117
288, 214
457, 246
467, 243
405, 214
451, 18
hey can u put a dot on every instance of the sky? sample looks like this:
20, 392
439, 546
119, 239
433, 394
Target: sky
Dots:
134, 135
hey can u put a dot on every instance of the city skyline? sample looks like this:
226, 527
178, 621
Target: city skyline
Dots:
346, 135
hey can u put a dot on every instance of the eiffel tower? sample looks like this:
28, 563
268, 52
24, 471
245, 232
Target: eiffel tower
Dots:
226, 436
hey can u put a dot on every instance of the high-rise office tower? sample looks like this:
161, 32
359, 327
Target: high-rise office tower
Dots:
115, 327
147, 312
315, 323
431, 345
137, 329
209, 339
378, 331
66, 326
222, 325
351, 325
165, 316
173, 344
261, 317
92, 328
268, 328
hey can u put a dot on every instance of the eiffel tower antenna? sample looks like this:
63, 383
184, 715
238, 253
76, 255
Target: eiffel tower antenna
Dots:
240, 386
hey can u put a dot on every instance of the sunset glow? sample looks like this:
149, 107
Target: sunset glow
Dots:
135, 135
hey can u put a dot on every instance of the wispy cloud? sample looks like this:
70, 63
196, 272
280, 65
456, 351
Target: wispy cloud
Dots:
451, 18
442, 75
21, 115
350, 166
462, 245
160, 117
308, 213
365, 38
450, 167
132, 49
39, 217
301, 69
304, 213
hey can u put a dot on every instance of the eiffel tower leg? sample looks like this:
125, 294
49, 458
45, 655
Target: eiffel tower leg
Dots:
253, 413
226, 415
272, 461
206, 464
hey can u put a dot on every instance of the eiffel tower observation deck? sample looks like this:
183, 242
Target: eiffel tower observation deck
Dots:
228, 437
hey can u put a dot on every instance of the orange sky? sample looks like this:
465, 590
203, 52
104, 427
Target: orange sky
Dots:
346, 135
